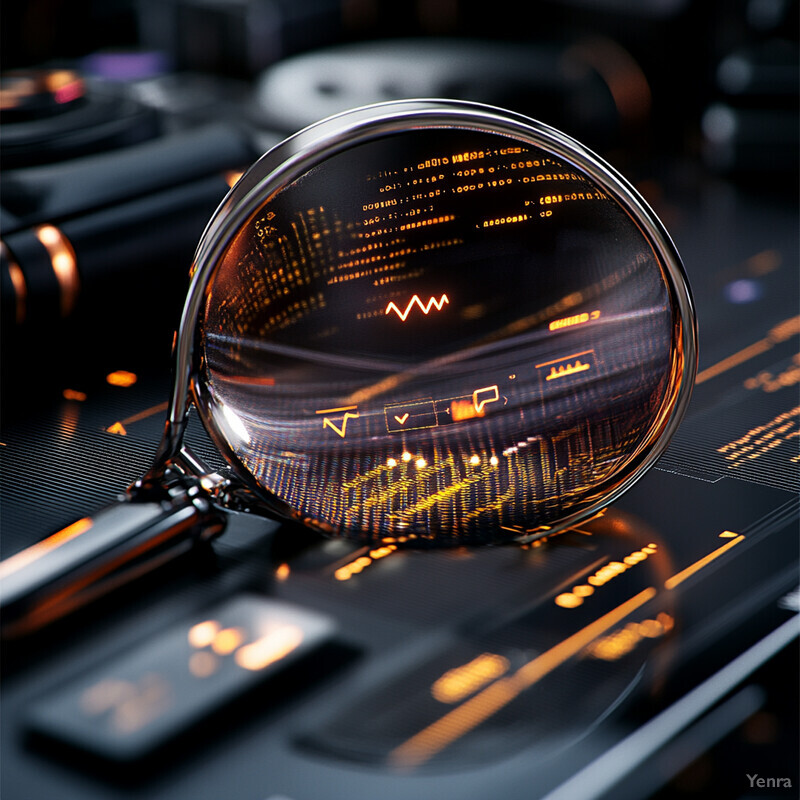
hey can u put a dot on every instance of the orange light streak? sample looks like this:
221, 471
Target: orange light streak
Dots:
87, 588
251, 379
681, 576
64, 264
466, 717
565, 358
780, 333
36, 551
148, 412
432, 303
734, 360
602, 576
20, 291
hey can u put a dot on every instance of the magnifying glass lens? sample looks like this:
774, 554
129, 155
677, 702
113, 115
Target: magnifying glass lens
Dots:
442, 336
424, 322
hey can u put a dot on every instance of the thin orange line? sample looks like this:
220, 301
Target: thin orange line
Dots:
734, 360
250, 379
148, 412
555, 361
333, 410
681, 576
36, 551
461, 720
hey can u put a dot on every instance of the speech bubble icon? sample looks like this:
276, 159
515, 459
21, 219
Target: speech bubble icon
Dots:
480, 397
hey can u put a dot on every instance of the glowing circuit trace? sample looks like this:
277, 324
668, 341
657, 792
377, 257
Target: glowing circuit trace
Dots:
415, 300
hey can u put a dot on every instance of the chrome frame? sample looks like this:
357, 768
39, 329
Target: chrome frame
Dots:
305, 149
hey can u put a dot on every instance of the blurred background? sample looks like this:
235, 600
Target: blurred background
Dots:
121, 118
124, 122
665, 63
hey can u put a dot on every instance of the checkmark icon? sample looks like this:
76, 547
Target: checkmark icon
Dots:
411, 415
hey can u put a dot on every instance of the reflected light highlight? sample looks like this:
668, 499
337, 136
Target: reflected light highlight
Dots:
460, 682
20, 289
226, 641
235, 426
36, 551
681, 576
621, 642
270, 648
64, 264
202, 634
203, 664
466, 717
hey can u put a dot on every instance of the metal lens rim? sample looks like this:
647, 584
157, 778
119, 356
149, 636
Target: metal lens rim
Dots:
286, 162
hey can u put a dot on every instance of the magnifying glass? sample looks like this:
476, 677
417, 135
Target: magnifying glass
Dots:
426, 323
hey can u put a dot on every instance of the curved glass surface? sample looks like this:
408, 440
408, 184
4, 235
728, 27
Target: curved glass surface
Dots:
440, 335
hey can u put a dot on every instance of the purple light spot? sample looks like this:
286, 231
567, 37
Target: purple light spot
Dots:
126, 65
742, 291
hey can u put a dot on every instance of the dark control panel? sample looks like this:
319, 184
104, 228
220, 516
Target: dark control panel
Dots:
650, 651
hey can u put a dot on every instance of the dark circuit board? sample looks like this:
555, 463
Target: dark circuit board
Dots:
649, 652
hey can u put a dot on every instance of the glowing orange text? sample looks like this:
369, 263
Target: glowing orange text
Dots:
576, 319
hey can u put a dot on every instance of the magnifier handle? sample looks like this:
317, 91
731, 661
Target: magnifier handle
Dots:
96, 554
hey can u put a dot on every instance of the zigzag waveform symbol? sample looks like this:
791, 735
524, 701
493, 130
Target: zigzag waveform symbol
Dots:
432, 303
